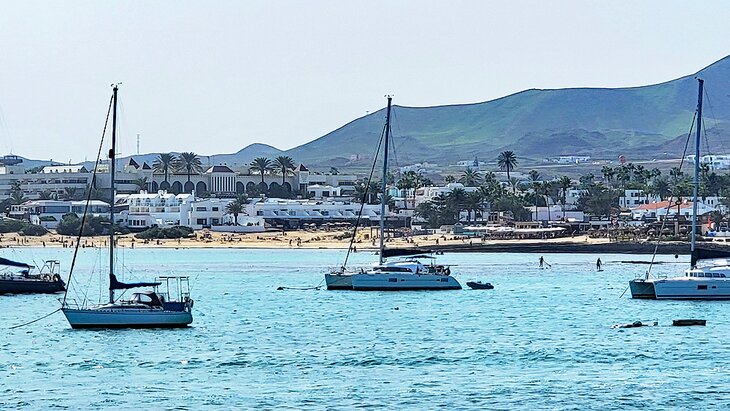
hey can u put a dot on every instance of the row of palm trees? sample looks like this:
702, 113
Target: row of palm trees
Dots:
187, 162
283, 165
190, 163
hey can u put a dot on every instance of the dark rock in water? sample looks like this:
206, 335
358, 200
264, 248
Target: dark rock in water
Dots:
688, 322
280, 289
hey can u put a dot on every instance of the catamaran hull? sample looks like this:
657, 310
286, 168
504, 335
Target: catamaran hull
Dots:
127, 318
31, 287
642, 289
692, 289
403, 282
338, 281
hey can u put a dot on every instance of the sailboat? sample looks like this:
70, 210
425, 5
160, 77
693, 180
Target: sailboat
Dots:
152, 308
46, 281
708, 282
407, 273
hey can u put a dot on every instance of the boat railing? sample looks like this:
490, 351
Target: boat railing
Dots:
73, 304
50, 267
181, 284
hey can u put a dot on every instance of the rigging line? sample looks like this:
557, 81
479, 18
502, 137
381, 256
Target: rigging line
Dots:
669, 204
714, 118
36, 320
364, 198
88, 199
392, 140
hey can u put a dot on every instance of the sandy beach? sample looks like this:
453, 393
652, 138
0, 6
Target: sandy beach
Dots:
293, 239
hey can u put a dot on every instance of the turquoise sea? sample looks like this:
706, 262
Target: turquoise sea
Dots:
542, 339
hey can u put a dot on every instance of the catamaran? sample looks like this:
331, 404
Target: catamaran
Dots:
154, 308
407, 273
709, 281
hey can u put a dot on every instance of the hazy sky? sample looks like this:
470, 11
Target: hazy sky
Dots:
213, 77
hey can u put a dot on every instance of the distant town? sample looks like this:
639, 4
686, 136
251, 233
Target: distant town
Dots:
486, 198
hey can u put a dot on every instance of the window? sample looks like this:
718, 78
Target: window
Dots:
444, 280
392, 280
215, 208
200, 209
702, 287
201, 221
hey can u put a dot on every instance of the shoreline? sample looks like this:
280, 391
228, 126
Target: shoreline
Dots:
339, 240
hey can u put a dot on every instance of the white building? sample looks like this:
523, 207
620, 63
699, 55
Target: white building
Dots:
572, 159
48, 213
281, 211
425, 194
715, 162
555, 213
635, 198
662, 209
319, 192
161, 209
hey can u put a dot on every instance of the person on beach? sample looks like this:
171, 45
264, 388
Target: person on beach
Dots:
598, 264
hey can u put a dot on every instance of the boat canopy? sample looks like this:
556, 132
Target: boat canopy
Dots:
402, 252
706, 253
114, 284
10, 263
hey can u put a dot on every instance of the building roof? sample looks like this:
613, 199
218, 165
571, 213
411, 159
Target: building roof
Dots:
664, 204
302, 168
132, 163
64, 169
146, 166
219, 169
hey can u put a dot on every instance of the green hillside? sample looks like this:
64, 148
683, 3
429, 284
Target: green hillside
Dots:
602, 123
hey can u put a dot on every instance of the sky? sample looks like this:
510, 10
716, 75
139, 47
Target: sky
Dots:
214, 77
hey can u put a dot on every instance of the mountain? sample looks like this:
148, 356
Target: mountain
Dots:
600, 122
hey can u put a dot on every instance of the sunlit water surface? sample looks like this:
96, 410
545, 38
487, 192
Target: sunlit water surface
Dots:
542, 339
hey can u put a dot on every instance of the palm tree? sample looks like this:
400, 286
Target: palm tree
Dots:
235, 208
262, 165
507, 160
16, 193
470, 177
69, 193
283, 164
141, 183
534, 175
514, 182
608, 173
190, 162
564, 183
164, 164
46, 195
449, 179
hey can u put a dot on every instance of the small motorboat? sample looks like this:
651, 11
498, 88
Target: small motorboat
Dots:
688, 322
478, 285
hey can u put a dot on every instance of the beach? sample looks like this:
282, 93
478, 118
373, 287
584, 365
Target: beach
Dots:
364, 241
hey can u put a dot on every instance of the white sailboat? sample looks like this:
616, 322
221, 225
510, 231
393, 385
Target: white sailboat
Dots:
408, 273
153, 308
709, 281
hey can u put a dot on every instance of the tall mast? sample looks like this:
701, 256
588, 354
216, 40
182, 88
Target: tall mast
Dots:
697, 163
385, 181
112, 169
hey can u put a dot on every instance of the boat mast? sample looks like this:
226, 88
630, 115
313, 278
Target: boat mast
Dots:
697, 164
112, 163
385, 181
